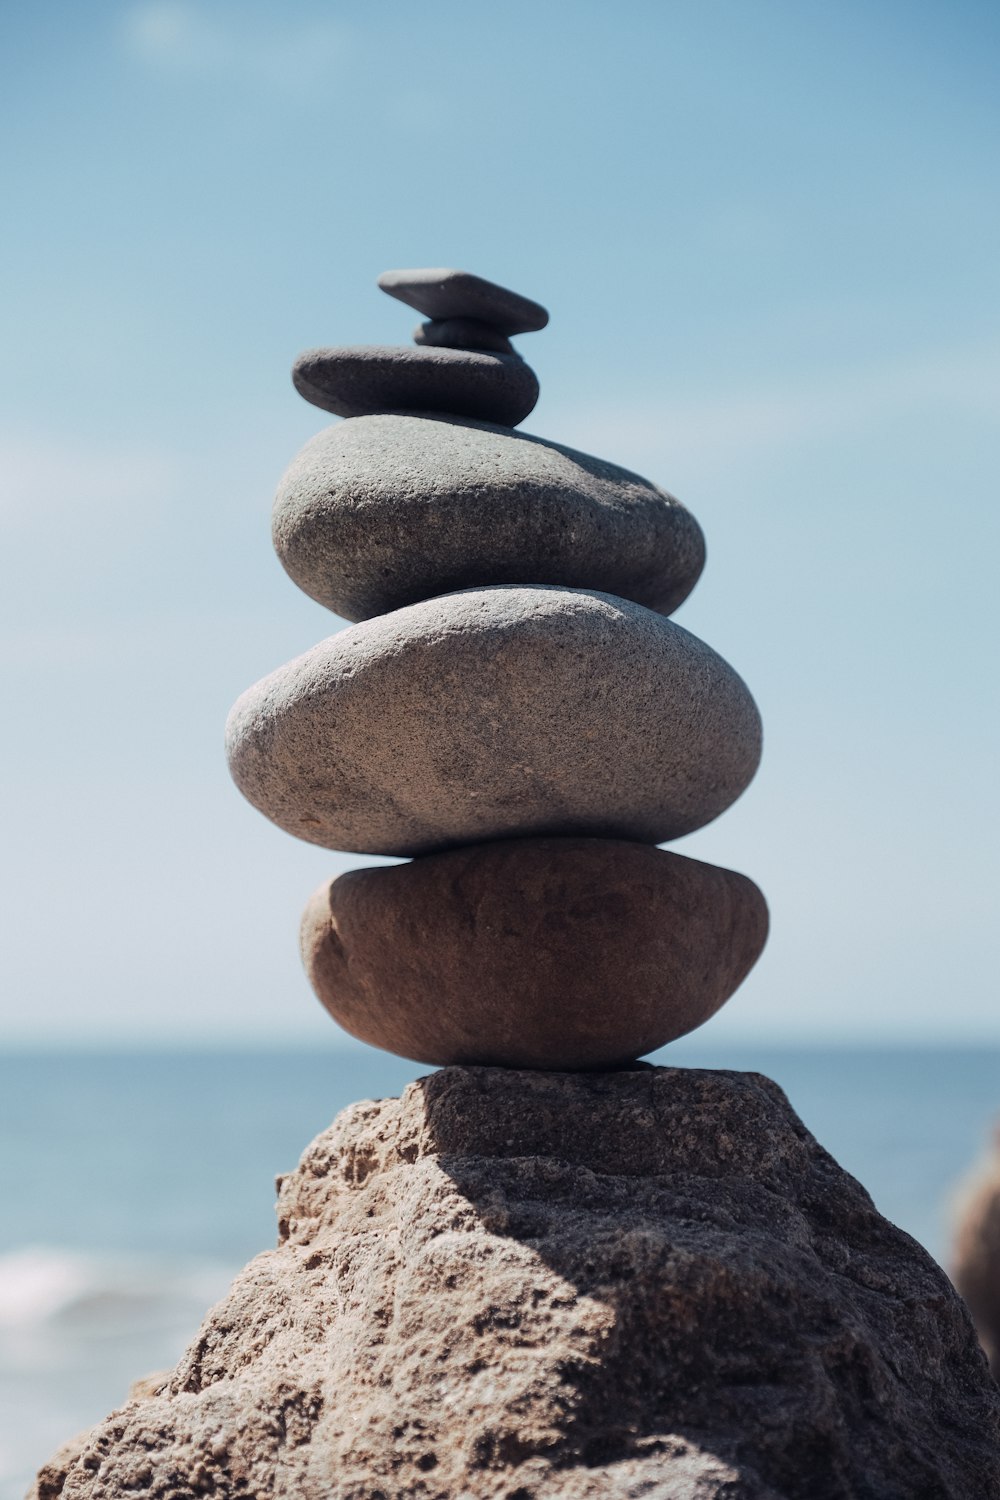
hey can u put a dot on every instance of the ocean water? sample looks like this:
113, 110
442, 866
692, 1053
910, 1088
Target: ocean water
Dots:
134, 1186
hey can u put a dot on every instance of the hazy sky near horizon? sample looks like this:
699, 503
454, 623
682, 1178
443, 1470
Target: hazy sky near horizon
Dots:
769, 238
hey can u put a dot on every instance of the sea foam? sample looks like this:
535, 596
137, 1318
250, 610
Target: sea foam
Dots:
75, 1331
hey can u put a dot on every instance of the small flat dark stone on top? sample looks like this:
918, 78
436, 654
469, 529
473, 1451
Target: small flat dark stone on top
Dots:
442, 293
461, 333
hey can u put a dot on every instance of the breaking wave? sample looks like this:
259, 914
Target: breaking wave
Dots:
75, 1330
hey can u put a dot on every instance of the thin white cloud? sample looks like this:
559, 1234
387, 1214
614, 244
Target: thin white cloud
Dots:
44, 478
750, 425
278, 53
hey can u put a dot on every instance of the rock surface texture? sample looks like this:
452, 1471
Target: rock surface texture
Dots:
592, 1287
529, 953
383, 511
495, 713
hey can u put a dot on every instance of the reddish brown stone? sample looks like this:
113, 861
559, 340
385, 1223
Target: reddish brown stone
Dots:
537, 953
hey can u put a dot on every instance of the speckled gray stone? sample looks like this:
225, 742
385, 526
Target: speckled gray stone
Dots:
493, 713
382, 511
442, 293
461, 333
532, 953
355, 382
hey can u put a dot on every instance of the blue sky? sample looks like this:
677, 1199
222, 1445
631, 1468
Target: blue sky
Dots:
769, 238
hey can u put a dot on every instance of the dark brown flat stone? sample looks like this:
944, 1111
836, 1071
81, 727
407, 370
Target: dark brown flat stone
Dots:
537, 953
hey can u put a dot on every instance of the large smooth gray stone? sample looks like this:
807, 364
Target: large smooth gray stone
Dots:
492, 713
440, 293
382, 511
358, 381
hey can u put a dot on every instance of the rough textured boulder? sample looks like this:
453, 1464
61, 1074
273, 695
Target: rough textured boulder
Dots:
497, 713
382, 511
533, 1285
532, 953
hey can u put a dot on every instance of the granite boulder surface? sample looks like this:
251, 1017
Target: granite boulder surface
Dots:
551, 1286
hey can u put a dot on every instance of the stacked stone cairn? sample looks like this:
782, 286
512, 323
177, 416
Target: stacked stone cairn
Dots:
514, 712
560, 1278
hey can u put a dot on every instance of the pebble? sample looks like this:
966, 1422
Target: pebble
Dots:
356, 382
382, 511
441, 293
496, 713
461, 333
532, 953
